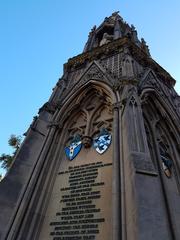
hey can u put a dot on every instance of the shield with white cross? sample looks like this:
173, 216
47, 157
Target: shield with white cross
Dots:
102, 142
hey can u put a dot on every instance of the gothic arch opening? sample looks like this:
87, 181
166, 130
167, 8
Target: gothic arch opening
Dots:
91, 108
161, 133
162, 142
84, 177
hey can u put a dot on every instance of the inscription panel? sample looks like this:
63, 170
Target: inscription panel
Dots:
80, 204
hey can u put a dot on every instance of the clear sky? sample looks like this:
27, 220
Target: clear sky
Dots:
38, 36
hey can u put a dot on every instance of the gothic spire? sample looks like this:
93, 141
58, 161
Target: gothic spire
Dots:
112, 28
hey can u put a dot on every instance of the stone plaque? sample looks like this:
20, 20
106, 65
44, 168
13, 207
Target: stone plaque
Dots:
80, 206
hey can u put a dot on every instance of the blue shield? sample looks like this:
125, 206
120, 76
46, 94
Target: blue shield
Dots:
73, 149
102, 142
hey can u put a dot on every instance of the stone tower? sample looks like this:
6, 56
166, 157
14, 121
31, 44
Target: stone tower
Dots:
102, 159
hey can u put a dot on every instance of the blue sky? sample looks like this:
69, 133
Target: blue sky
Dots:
38, 36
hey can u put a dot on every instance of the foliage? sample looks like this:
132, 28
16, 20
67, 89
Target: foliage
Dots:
7, 159
14, 141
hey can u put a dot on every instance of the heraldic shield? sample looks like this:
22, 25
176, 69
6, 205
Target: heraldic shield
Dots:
102, 142
74, 148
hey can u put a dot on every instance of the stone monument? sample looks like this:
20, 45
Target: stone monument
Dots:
102, 158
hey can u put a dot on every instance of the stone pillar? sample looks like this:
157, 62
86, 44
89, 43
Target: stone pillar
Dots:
170, 190
135, 159
116, 204
22, 205
145, 210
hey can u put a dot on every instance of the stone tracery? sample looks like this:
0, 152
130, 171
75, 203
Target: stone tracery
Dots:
93, 113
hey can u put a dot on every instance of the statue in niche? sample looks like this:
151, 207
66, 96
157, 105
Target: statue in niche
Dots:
106, 39
166, 162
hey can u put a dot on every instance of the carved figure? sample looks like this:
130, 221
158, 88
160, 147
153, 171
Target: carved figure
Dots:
106, 39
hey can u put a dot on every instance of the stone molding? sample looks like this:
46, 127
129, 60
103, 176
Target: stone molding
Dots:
114, 47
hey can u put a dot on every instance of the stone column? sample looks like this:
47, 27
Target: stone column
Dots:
23, 211
116, 204
135, 158
144, 205
169, 190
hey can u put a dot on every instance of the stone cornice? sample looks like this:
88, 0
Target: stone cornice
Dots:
114, 47
96, 53
146, 61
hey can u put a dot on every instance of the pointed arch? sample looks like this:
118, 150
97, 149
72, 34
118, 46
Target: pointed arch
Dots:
163, 136
73, 100
164, 108
163, 129
127, 66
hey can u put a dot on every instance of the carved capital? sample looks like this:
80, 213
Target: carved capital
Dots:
87, 141
117, 106
55, 125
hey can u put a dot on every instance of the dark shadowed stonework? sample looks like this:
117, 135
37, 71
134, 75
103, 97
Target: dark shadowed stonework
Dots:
132, 190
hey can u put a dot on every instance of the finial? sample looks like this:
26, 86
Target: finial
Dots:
144, 46
133, 27
93, 29
143, 41
116, 16
115, 13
